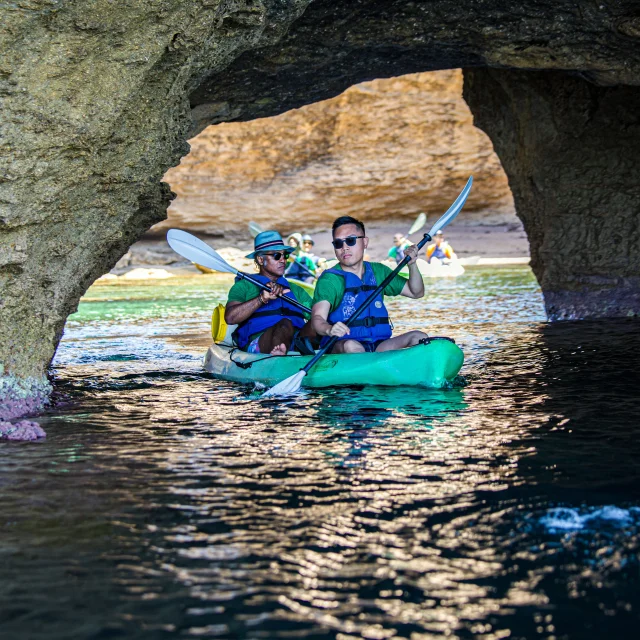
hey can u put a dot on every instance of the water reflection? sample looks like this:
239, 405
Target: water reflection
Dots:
163, 504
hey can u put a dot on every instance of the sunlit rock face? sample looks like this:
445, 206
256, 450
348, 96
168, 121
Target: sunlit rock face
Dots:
99, 98
570, 149
381, 150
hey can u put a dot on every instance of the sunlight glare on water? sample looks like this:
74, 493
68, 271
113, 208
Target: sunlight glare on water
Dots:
165, 504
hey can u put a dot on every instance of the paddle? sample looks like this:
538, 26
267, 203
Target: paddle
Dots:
255, 229
292, 383
418, 224
194, 249
288, 269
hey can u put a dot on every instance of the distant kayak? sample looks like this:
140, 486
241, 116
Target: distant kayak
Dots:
433, 270
308, 287
433, 365
199, 267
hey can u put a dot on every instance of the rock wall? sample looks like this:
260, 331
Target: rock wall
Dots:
94, 110
99, 97
382, 150
570, 149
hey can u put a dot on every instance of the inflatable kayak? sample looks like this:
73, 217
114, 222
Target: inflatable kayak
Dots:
432, 365
452, 269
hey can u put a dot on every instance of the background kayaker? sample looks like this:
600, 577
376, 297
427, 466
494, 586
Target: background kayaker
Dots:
341, 289
267, 323
294, 240
440, 249
307, 247
400, 243
301, 264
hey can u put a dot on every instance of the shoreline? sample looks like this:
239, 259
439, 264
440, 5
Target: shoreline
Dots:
476, 243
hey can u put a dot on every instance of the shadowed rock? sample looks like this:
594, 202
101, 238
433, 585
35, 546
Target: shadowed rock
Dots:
570, 149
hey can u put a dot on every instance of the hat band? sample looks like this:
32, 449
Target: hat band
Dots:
266, 245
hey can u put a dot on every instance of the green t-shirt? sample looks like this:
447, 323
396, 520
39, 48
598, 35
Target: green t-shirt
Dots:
243, 290
393, 252
330, 287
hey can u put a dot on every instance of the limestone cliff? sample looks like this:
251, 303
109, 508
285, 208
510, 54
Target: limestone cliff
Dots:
381, 150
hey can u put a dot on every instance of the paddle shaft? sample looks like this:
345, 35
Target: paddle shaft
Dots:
358, 312
302, 265
264, 287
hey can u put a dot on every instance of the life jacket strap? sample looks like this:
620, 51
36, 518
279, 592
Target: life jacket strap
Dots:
282, 311
369, 321
363, 287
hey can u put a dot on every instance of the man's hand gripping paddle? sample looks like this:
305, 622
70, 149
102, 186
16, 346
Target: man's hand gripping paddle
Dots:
194, 249
292, 383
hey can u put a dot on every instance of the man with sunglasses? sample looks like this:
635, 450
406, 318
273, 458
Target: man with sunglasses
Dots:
341, 290
266, 322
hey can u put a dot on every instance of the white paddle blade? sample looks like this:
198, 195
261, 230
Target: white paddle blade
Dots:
286, 387
255, 229
418, 224
453, 210
194, 249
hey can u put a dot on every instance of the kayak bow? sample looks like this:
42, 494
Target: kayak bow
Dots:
433, 364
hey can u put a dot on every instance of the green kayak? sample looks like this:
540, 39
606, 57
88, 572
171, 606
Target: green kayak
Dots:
431, 365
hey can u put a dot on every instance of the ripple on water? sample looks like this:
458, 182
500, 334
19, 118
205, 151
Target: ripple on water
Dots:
166, 504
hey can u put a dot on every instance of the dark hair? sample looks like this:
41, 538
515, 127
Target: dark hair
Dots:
342, 220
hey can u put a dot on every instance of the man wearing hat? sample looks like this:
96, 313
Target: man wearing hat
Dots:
307, 247
440, 249
266, 322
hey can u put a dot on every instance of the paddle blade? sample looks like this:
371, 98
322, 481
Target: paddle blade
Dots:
194, 249
418, 224
255, 229
453, 210
286, 387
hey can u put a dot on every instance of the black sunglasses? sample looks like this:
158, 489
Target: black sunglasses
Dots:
350, 241
276, 256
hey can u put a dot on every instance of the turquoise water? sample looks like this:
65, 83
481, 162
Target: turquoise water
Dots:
166, 504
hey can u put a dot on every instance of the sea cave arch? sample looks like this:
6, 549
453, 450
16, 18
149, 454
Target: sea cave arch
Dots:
99, 99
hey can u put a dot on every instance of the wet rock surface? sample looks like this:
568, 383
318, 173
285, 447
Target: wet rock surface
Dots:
98, 100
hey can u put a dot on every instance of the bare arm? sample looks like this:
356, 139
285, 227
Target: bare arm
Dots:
319, 314
237, 312
415, 285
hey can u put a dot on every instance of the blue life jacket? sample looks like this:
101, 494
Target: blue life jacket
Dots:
373, 324
297, 268
268, 314
297, 271
439, 253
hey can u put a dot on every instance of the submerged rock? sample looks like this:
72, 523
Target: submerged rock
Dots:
23, 430
147, 274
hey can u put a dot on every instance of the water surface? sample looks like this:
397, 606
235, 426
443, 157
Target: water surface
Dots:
165, 504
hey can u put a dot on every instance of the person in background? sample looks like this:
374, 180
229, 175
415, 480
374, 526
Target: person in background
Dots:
307, 247
400, 243
294, 240
440, 249
301, 264
266, 322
